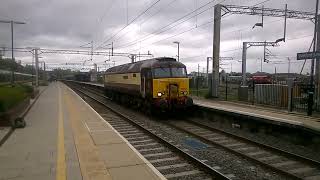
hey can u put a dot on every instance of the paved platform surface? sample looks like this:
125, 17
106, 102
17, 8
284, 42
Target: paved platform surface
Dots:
66, 139
265, 113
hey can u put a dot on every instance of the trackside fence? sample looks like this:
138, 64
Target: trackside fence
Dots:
300, 97
278, 95
271, 94
287, 95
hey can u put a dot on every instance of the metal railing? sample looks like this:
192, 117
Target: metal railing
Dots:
277, 94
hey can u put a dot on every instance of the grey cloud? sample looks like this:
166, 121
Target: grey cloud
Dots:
69, 24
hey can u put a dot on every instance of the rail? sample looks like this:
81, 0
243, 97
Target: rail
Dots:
208, 169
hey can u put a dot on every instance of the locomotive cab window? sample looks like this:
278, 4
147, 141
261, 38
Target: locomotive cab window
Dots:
161, 72
169, 72
178, 72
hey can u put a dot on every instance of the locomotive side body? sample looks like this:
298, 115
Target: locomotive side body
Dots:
128, 83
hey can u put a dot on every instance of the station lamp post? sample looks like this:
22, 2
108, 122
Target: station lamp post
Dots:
12, 56
178, 43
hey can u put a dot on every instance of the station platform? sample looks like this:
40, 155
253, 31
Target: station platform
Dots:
65, 139
267, 114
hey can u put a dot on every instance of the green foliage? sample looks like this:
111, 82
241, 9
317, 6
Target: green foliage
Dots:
10, 96
28, 89
61, 73
208, 95
8, 64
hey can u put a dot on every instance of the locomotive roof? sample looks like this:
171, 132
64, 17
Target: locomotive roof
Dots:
149, 63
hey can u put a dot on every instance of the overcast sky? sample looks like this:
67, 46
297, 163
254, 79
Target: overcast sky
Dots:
68, 24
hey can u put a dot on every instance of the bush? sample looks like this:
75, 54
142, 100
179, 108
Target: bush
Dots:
11, 96
28, 89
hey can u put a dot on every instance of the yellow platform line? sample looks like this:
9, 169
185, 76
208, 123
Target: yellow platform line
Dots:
91, 162
61, 161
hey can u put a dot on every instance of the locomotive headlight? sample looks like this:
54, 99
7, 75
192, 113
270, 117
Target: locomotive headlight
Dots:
184, 92
159, 94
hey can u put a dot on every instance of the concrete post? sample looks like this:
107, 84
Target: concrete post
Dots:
12, 56
111, 49
290, 86
178, 52
244, 64
208, 59
95, 67
44, 72
317, 73
91, 50
216, 50
132, 58
197, 80
312, 83
37, 66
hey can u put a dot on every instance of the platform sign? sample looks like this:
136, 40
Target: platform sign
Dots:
308, 55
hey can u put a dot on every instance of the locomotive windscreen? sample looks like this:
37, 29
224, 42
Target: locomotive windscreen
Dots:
179, 72
169, 72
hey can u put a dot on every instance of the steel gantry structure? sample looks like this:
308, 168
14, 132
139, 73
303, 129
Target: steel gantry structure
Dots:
266, 12
246, 45
243, 10
37, 51
75, 52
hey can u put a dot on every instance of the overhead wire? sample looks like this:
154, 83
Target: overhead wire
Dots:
156, 33
128, 24
178, 34
108, 10
169, 26
134, 42
261, 2
236, 49
153, 34
157, 12
148, 18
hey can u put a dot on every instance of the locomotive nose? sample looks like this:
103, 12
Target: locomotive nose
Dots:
173, 90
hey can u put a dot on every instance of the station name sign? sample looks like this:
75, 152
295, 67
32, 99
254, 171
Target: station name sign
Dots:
308, 55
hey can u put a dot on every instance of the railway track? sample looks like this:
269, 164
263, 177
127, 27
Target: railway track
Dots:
287, 163
169, 158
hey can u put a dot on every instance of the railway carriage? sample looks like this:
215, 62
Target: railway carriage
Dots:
157, 84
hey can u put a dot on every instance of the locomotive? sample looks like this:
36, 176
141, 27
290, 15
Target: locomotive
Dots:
159, 84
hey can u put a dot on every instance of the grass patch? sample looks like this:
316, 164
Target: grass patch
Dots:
10, 96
